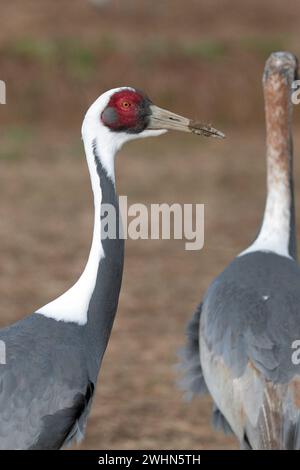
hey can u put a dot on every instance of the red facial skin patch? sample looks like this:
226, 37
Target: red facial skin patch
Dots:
126, 110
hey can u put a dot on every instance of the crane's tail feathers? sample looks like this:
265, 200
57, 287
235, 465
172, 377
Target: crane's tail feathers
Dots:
278, 423
245, 444
76, 433
192, 381
268, 434
219, 421
291, 434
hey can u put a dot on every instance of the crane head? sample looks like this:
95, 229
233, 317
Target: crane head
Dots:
129, 112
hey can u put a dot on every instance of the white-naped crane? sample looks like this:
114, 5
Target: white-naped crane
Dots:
240, 340
53, 356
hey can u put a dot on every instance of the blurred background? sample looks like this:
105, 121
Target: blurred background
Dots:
201, 58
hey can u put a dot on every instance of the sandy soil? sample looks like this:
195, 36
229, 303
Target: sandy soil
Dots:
45, 199
54, 66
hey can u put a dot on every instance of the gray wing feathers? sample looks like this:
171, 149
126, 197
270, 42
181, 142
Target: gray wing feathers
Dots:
45, 391
219, 421
192, 381
278, 423
66, 425
250, 318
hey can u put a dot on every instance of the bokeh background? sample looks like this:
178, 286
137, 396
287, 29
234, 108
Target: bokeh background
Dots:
202, 58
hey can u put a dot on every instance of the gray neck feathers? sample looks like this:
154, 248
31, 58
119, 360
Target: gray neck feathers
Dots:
104, 300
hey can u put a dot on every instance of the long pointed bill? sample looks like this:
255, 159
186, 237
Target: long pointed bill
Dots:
162, 119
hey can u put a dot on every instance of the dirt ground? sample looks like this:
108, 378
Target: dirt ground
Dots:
57, 61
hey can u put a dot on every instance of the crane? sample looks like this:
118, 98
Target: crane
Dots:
240, 340
53, 356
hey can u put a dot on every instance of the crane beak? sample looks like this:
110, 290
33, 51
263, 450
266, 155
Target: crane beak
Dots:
163, 119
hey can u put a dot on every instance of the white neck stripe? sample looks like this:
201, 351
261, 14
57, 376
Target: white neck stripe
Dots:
72, 306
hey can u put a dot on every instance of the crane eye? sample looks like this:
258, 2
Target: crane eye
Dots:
126, 104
